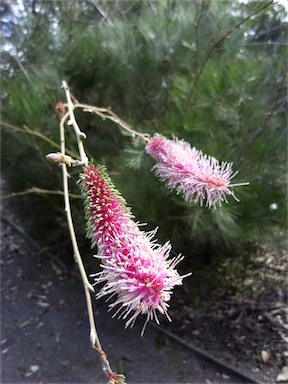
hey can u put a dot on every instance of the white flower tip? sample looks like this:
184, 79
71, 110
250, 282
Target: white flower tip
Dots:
239, 184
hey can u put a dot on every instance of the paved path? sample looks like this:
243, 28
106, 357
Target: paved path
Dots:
45, 332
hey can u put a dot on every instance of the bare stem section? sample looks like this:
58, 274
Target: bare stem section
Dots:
79, 134
106, 113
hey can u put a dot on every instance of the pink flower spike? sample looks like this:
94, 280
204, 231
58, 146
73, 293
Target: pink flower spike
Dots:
197, 176
135, 269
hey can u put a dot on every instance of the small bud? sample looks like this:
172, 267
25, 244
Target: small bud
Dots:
58, 158
60, 109
55, 157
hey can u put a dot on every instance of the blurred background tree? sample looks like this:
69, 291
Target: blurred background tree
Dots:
210, 72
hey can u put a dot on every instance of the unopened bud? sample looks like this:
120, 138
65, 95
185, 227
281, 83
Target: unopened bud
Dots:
60, 109
58, 158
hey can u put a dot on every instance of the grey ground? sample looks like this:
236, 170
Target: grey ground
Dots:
45, 332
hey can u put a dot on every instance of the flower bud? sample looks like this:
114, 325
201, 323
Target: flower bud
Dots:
58, 158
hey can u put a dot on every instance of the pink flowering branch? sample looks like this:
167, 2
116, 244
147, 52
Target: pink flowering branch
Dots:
137, 272
135, 269
200, 178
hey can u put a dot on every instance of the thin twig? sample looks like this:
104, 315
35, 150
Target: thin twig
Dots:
211, 48
79, 134
254, 136
106, 113
101, 11
39, 191
18, 62
196, 28
94, 339
29, 131
69, 216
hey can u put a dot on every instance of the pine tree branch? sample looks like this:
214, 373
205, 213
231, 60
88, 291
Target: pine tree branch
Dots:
101, 12
29, 131
39, 191
273, 111
18, 62
196, 28
210, 50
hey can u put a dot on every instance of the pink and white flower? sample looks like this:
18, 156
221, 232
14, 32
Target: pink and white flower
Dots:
200, 178
135, 268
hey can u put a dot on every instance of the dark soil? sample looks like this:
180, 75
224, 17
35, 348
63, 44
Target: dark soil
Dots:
247, 329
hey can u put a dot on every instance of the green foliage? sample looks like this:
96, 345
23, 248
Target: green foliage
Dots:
194, 70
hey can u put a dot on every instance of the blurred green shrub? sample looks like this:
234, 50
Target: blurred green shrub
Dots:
211, 72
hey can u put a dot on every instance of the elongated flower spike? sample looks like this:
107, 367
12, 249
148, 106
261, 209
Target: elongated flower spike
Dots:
135, 269
200, 178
